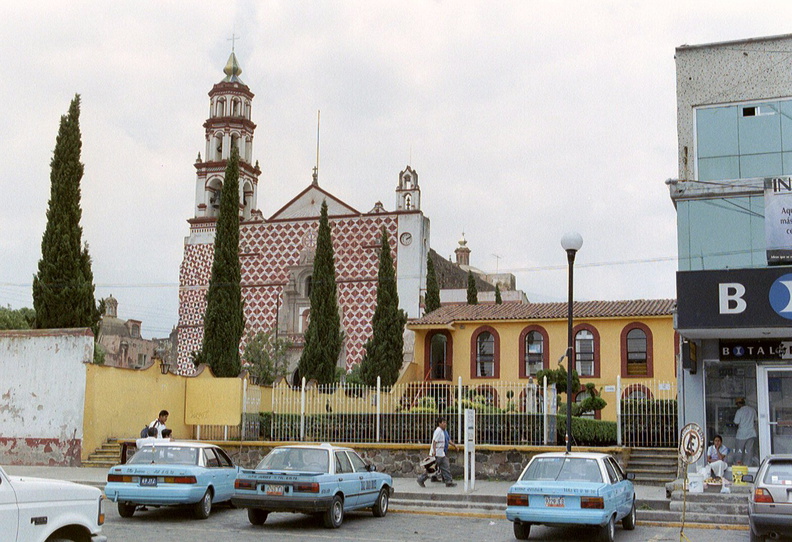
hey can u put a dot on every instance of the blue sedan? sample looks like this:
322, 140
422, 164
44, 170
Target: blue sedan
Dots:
173, 473
572, 489
320, 479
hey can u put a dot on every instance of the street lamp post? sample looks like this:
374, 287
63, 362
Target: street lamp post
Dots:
571, 242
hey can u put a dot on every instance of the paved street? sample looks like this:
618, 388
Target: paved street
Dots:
227, 525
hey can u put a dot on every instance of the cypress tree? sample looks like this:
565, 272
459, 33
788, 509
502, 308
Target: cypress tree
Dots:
63, 289
432, 299
224, 322
498, 299
384, 351
472, 291
323, 338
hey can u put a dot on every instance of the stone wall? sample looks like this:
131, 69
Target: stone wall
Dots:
492, 462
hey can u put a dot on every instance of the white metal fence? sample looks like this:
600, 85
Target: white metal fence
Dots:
647, 413
507, 413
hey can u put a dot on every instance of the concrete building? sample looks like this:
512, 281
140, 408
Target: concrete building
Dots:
277, 252
121, 340
733, 198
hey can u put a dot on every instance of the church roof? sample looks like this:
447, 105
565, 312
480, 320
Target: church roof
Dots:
308, 204
451, 276
632, 308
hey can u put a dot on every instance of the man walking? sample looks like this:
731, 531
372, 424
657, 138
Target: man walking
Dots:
159, 423
439, 450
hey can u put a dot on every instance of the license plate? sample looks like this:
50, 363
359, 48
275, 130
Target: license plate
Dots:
554, 502
273, 489
148, 480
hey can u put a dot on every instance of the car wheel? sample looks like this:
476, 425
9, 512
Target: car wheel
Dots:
628, 521
608, 531
522, 530
335, 514
257, 516
380, 507
203, 508
126, 510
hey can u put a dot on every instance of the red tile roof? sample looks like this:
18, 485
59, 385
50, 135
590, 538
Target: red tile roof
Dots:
534, 311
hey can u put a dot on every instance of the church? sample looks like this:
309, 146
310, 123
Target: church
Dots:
276, 253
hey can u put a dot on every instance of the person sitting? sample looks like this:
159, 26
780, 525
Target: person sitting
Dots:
150, 439
716, 457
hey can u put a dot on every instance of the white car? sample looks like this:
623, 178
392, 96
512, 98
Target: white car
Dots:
39, 510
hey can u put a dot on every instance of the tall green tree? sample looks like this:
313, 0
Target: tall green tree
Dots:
323, 338
472, 291
384, 351
224, 322
498, 298
432, 299
63, 289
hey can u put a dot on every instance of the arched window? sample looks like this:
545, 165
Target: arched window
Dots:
534, 350
485, 353
219, 108
439, 356
235, 107
407, 202
308, 285
587, 351
636, 351
218, 147
637, 391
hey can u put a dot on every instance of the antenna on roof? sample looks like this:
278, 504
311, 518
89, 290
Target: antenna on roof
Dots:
497, 261
316, 167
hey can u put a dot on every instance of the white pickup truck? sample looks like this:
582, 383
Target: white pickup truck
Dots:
39, 510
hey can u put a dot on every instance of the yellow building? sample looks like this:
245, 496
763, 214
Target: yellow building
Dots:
489, 344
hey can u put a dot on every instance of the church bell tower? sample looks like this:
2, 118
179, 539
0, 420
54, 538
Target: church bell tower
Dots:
228, 126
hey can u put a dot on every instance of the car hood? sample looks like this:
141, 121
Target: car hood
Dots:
37, 490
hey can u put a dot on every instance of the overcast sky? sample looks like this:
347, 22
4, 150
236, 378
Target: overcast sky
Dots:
523, 120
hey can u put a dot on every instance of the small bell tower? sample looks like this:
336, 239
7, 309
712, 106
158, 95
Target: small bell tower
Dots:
408, 193
228, 126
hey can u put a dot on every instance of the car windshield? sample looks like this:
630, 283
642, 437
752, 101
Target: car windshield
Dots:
169, 455
778, 472
563, 469
301, 459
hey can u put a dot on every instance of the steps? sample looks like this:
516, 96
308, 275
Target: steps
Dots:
653, 466
705, 508
106, 456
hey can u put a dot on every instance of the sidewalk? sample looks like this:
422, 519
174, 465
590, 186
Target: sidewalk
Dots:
402, 486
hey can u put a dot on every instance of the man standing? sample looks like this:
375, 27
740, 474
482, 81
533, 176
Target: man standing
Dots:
159, 423
745, 420
439, 450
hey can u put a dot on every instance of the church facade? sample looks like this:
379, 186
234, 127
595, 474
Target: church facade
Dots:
276, 253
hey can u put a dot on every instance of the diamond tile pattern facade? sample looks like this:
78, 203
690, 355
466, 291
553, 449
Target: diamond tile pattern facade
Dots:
267, 251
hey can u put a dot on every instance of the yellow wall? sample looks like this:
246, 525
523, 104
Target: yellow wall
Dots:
610, 350
225, 406
119, 402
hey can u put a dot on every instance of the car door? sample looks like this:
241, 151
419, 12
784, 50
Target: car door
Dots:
621, 489
208, 465
347, 479
225, 476
368, 482
9, 512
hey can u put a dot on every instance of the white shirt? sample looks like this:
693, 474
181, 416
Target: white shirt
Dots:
745, 418
143, 441
438, 441
159, 425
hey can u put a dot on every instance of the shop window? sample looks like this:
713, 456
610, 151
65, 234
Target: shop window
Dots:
485, 353
587, 351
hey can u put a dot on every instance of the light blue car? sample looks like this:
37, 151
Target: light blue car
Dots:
321, 479
572, 488
173, 473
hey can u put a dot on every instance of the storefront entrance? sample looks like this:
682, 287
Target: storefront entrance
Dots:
725, 383
775, 409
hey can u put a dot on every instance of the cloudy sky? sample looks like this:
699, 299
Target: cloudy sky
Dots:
523, 120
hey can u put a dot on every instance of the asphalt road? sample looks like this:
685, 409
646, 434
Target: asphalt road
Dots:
228, 525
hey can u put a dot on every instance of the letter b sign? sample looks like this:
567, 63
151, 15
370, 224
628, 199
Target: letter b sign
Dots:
730, 298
